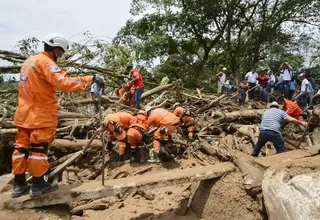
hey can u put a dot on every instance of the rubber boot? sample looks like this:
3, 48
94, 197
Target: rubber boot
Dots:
20, 186
155, 158
141, 155
120, 161
40, 186
133, 154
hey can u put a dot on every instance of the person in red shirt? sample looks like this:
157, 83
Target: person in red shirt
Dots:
263, 83
137, 81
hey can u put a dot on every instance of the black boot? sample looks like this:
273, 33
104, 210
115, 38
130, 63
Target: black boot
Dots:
20, 185
133, 154
141, 155
120, 161
40, 186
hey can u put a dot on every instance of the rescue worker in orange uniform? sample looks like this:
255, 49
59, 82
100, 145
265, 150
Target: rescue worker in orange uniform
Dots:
186, 120
36, 114
117, 125
166, 122
126, 94
291, 108
136, 135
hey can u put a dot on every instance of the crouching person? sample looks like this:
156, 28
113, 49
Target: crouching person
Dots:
117, 125
186, 120
272, 120
136, 136
166, 122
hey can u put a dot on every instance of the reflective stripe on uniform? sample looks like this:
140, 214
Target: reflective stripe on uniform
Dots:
60, 76
18, 156
38, 157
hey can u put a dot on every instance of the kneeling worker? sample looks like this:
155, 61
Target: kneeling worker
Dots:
117, 125
136, 135
166, 122
186, 120
272, 120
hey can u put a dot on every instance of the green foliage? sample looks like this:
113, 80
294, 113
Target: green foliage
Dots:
195, 39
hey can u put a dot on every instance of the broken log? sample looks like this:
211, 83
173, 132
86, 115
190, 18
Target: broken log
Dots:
72, 146
156, 90
238, 115
73, 158
248, 130
211, 104
94, 189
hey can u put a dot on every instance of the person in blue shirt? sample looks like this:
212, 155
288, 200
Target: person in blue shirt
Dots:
292, 89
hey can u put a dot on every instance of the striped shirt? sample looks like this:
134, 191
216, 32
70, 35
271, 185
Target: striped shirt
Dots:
272, 119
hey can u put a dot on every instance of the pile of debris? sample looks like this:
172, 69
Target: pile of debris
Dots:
182, 185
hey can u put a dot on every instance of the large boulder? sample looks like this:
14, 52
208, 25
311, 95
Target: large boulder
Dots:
291, 190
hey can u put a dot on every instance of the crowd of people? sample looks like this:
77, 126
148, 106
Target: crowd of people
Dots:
267, 85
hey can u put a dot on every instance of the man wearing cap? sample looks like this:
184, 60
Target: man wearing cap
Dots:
271, 122
306, 91
221, 79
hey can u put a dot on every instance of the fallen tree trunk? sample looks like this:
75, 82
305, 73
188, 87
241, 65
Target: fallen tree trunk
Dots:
72, 146
63, 115
156, 90
212, 103
237, 115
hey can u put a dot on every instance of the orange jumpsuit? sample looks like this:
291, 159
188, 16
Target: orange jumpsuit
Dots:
126, 93
36, 114
121, 119
293, 109
162, 118
136, 131
186, 121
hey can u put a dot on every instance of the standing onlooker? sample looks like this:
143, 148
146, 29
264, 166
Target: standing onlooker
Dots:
271, 84
263, 83
293, 86
287, 72
271, 123
137, 81
252, 77
305, 91
313, 83
279, 82
243, 87
221, 79
233, 83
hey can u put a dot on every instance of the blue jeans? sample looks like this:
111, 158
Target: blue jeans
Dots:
262, 90
272, 136
251, 92
137, 95
284, 85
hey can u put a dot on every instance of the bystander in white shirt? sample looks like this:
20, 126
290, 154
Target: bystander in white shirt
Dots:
252, 77
287, 74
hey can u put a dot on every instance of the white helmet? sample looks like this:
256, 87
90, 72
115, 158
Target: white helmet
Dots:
56, 40
148, 108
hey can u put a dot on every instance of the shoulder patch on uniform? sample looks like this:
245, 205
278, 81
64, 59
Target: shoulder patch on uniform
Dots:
54, 68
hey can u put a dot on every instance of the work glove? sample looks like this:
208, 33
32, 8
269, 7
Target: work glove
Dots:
99, 80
